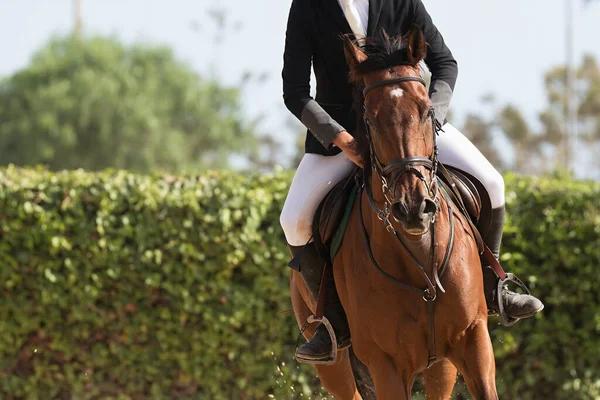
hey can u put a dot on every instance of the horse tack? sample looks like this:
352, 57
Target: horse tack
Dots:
429, 294
406, 165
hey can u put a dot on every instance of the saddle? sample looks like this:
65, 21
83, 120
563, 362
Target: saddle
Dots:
471, 193
332, 215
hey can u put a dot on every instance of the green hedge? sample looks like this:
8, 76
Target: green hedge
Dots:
115, 285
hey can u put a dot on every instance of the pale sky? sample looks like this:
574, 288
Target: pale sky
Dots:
502, 47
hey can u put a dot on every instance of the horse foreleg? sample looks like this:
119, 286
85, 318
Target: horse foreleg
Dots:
337, 378
440, 379
474, 358
390, 383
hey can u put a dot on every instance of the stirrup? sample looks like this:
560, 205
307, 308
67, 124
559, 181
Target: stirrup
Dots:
332, 359
505, 319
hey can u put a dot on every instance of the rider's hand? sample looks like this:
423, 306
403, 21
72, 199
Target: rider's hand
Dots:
346, 143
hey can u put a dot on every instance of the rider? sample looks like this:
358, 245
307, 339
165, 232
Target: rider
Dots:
314, 37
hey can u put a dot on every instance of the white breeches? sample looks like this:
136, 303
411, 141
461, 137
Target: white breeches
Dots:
316, 175
457, 151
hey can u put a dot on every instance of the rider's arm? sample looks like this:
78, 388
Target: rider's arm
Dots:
297, 60
443, 66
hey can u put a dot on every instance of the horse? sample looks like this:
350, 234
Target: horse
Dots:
408, 272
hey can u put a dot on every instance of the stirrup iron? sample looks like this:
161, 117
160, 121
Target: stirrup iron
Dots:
332, 359
505, 319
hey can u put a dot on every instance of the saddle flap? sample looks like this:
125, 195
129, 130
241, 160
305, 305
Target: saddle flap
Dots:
469, 193
474, 197
331, 211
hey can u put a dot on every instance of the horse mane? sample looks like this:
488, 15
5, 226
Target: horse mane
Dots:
384, 52
361, 142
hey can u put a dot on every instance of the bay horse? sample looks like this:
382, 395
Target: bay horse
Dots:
408, 271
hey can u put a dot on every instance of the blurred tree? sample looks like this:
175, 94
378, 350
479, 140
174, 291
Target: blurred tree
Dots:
527, 146
480, 133
298, 151
266, 155
299, 146
588, 91
225, 30
538, 152
589, 109
96, 103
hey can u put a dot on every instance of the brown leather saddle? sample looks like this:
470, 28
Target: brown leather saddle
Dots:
472, 194
330, 212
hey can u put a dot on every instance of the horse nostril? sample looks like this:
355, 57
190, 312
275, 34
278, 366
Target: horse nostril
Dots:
428, 206
399, 211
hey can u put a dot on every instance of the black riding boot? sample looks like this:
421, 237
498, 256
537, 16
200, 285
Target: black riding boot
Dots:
516, 305
311, 265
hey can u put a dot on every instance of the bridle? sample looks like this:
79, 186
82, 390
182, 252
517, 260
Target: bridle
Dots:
385, 173
402, 165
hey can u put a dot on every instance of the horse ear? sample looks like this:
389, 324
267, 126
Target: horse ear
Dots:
416, 45
354, 55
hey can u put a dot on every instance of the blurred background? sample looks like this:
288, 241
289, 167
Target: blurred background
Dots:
528, 92
145, 154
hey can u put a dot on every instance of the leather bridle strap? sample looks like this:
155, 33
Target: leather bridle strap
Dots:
393, 81
407, 163
429, 292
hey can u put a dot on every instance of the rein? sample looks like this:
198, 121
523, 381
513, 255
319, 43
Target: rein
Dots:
401, 166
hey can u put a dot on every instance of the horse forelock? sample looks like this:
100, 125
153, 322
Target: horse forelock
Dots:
383, 52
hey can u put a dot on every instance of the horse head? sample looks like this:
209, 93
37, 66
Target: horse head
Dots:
397, 135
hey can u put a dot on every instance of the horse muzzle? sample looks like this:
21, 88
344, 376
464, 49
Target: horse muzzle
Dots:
415, 221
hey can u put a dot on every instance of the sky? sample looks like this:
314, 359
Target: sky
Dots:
502, 47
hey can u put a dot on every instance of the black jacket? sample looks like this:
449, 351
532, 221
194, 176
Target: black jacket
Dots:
313, 36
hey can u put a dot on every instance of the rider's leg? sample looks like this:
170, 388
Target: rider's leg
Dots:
318, 348
457, 151
315, 177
